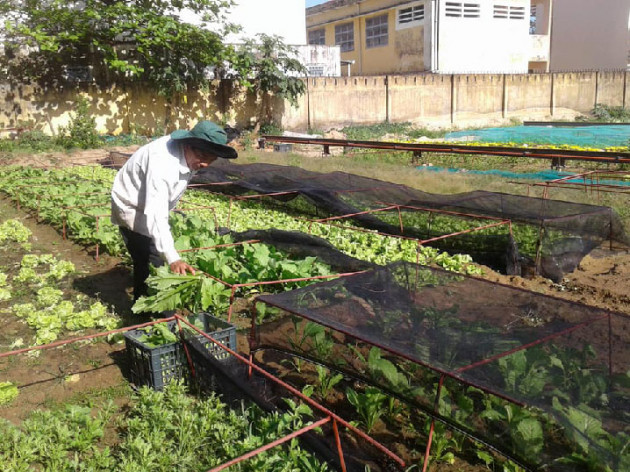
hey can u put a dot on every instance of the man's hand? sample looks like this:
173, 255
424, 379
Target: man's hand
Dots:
180, 267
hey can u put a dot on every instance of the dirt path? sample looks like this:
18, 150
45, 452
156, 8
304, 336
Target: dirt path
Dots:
602, 280
77, 370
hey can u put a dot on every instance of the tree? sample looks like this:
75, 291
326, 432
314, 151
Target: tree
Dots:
143, 41
127, 39
270, 68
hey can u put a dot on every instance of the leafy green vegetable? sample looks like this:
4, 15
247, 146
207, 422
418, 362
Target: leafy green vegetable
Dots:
8, 392
14, 231
157, 335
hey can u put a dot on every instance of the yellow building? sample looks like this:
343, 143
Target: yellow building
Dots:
362, 30
441, 36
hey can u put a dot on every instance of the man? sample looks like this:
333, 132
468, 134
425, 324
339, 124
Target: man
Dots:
149, 186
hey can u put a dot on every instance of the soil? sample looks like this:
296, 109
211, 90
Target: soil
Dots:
74, 371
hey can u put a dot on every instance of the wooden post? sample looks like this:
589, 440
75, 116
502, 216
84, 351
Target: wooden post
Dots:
453, 99
552, 104
505, 97
625, 88
596, 88
388, 102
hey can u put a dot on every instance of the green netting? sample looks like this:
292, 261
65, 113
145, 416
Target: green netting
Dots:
599, 136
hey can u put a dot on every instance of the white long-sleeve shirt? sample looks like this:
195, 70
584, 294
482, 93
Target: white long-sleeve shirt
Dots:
147, 188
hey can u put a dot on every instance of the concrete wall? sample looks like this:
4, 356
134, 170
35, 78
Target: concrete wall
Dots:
589, 34
436, 100
414, 96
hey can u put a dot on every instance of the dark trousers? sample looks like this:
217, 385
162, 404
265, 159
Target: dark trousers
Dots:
143, 252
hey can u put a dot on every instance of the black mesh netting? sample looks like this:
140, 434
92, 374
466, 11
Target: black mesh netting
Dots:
549, 237
545, 381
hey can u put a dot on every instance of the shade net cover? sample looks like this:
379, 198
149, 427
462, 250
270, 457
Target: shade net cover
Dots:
538, 377
549, 237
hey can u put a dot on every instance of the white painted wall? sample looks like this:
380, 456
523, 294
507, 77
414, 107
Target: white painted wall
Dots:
484, 44
588, 34
321, 61
284, 18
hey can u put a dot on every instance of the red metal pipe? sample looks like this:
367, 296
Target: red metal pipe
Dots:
505, 222
299, 394
339, 449
271, 445
83, 338
598, 156
249, 241
436, 408
528, 345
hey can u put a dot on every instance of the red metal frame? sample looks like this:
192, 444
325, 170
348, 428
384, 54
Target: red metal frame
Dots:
443, 373
329, 415
296, 392
417, 148
590, 183
420, 242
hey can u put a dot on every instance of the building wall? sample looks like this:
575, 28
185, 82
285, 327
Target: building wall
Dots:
484, 44
438, 100
589, 34
404, 51
455, 45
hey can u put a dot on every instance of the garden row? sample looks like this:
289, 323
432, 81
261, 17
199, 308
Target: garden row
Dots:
77, 200
159, 431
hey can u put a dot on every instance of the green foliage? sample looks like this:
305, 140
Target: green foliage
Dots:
270, 67
160, 432
378, 131
173, 291
370, 405
325, 381
81, 133
30, 140
135, 40
157, 335
607, 114
270, 128
8, 393
14, 231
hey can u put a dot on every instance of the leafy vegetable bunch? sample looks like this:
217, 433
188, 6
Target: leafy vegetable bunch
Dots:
14, 231
5, 288
50, 315
161, 432
33, 269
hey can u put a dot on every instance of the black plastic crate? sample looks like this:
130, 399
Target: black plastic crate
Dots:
156, 366
221, 331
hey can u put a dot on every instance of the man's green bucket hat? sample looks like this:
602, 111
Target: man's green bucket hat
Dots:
207, 136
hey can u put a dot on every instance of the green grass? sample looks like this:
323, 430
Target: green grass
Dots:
377, 131
38, 142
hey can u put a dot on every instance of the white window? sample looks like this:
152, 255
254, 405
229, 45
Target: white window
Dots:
462, 10
344, 36
376, 33
315, 70
317, 36
410, 16
517, 13
501, 11
511, 12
